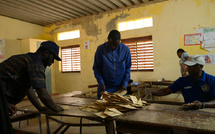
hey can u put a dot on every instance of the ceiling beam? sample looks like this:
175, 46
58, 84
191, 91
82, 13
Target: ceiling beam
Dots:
25, 9
127, 2
63, 9
137, 1
72, 8
101, 5
145, 1
57, 11
75, 3
108, 3
90, 5
6, 11
118, 3
44, 10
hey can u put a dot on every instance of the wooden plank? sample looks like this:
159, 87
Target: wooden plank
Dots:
93, 86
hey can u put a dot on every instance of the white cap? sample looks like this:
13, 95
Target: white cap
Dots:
195, 59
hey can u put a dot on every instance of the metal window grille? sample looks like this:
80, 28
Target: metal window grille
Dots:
141, 53
71, 61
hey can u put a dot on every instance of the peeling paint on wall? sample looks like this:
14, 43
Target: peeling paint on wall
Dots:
112, 23
53, 31
91, 28
99, 16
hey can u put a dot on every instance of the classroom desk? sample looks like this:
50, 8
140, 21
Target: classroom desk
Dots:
155, 84
158, 83
164, 117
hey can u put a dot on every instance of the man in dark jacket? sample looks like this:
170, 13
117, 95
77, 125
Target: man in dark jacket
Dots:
21, 74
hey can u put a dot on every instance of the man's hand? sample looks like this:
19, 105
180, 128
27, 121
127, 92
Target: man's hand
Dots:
43, 109
59, 108
12, 109
192, 106
147, 96
102, 89
157, 92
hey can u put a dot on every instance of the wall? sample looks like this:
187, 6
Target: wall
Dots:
13, 31
172, 19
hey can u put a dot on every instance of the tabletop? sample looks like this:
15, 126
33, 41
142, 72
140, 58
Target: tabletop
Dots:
171, 116
73, 102
167, 115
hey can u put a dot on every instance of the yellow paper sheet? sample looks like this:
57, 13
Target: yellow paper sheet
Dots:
65, 107
101, 114
134, 99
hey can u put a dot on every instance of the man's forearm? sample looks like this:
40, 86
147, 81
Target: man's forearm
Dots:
161, 92
33, 99
98, 76
46, 99
48, 102
126, 77
210, 104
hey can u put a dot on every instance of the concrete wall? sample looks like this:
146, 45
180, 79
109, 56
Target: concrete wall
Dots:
172, 19
13, 31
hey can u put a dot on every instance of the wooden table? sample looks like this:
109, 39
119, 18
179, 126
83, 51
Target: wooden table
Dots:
164, 117
155, 116
74, 103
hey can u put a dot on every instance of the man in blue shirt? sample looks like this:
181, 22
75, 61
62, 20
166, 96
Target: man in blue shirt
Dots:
112, 64
198, 88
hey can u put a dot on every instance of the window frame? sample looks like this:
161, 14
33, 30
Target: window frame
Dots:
70, 37
135, 24
140, 39
71, 46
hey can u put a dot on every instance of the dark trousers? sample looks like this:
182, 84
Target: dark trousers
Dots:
5, 125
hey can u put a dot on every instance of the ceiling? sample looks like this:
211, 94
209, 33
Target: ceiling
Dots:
46, 12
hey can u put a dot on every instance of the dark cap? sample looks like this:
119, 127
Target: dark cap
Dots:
114, 35
52, 47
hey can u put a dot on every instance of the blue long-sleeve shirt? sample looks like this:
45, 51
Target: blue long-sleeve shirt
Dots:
112, 68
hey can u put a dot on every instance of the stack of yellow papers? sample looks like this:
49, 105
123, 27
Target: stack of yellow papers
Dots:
113, 104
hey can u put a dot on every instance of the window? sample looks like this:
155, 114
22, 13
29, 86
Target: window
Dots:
68, 35
135, 24
71, 61
141, 53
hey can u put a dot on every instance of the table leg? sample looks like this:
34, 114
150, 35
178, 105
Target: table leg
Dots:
110, 127
40, 124
138, 91
65, 129
47, 124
